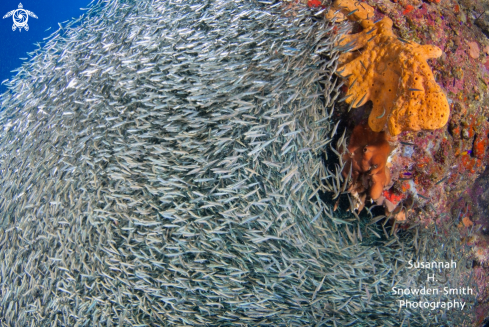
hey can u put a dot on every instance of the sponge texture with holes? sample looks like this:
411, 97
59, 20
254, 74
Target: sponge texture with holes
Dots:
394, 75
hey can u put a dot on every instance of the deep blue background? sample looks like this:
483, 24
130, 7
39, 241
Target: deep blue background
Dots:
14, 45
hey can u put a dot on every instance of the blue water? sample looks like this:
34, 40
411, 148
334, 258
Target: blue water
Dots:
15, 44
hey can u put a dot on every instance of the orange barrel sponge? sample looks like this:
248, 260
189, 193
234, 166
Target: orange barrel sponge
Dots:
394, 75
367, 156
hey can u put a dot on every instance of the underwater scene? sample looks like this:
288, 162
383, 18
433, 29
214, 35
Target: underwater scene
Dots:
245, 163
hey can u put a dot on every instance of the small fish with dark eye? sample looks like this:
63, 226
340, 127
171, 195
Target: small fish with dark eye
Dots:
372, 30
352, 83
361, 62
383, 113
441, 180
415, 90
407, 143
361, 100
403, 40
370, 39
352, 12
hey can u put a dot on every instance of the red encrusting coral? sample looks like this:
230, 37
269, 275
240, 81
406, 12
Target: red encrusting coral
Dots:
393, 197
480, 144
314, 3
408, 9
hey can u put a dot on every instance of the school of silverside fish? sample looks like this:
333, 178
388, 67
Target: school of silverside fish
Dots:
161, 164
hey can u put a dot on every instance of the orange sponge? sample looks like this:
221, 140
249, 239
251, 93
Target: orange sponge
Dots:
351, 9
394, 75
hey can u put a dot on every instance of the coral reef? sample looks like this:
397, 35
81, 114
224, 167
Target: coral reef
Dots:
366, 162
436, 167
394, 75
451, 27
436, 174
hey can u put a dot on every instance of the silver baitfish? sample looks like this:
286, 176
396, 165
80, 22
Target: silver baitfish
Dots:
160, 164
